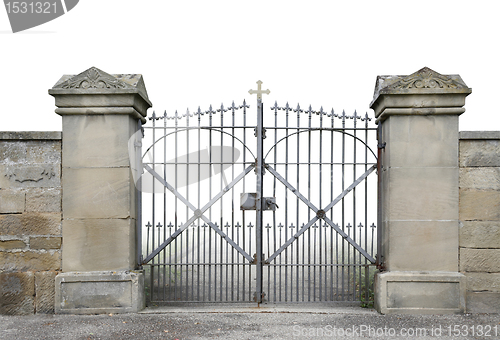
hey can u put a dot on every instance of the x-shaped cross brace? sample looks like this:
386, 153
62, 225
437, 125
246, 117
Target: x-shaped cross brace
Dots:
198, 213
321, 214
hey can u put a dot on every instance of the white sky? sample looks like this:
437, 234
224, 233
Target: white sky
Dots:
324, 53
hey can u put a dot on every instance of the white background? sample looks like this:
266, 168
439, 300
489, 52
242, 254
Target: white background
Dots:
324, 53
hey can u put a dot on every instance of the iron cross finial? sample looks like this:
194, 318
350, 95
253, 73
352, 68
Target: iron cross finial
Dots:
259, 91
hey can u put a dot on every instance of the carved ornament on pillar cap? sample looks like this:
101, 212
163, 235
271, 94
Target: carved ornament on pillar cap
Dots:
424, 82
97, 82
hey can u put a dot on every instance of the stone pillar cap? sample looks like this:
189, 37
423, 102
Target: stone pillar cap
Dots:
83, 94
419, 90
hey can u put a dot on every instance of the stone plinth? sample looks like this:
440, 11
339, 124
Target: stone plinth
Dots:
99, 292
101, 113
418, 219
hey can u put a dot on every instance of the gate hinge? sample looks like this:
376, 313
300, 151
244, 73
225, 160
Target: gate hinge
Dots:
262, 296
381, 145
263, 132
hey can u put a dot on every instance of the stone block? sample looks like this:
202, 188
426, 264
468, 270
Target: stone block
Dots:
483, 302
421, 194
480, 234
17, 291
480, 260
480, 205
12, 244
98, 193
88, 133
31, 224
99, 292
422, 141
12, 201
45, 292
420, 292
480, 178
99, 244
44, 152
415, 245
29, 261
45, 242
30, 176
480, 153
43, 200
483, 282
17, 136
12, 152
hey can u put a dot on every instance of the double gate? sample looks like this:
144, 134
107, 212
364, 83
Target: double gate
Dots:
243, 205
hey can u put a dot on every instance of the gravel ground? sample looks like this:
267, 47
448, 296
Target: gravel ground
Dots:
285, 322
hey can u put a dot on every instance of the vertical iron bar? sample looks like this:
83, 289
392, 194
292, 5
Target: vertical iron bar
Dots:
176, 203
210, 209
154, 207
259, 203
187, 209
198, 206
244, 226
221, 199
308, 218
232, 206
164, 200
343, 203
274, 193
138, 192
298, 207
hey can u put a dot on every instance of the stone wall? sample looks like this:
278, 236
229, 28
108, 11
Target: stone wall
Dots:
30, 221
480, 219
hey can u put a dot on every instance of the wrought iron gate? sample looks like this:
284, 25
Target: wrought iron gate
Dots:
275, 206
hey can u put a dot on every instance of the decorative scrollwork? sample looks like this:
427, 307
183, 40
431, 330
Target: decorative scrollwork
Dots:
426, 79
93, 78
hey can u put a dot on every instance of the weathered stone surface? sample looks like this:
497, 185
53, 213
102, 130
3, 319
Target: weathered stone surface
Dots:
100, 292
483, 302
88, 134
480, 234
419, 292
482, 205
415, 245
98, 244
44, 292
45, 242
29, 261
12, 201
97, 193
480, 260
44, 152
483, 282
43, 200
12, 244
484, 178
31, 224
421, 194
480, 153
30, 135
413, 141
17, 292
12, 152
30, 176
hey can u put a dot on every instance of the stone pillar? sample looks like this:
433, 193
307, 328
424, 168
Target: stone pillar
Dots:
100, 113
418, 193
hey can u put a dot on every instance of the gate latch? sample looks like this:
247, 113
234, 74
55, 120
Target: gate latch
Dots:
248, 201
